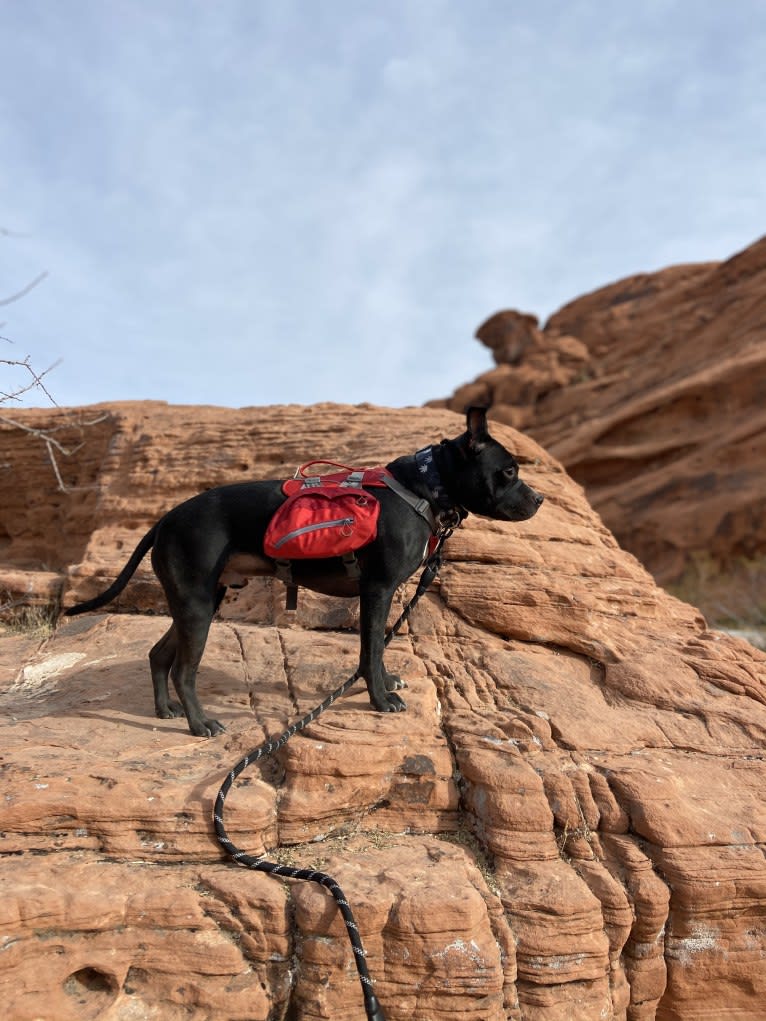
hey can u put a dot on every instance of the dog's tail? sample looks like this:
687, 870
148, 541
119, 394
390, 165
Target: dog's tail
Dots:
121, 581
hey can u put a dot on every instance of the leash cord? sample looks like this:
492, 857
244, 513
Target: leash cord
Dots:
371, 1004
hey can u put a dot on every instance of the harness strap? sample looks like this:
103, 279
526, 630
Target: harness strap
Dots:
418, 503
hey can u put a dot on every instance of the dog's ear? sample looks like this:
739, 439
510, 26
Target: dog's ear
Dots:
476, 424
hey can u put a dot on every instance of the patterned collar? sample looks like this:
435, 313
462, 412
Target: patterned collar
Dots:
429, 473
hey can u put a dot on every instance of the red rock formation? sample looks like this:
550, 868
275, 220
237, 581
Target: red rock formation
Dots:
567, 823
652, 392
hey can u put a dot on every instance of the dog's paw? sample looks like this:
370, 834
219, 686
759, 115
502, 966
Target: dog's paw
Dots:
171, 711
394, 683
207, 728
396, 703
390, 703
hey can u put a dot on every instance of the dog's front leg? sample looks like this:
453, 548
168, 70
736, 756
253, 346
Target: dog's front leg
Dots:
374, 605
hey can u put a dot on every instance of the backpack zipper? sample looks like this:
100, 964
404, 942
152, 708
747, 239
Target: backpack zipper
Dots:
315, 526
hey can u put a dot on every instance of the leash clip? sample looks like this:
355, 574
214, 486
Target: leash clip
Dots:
449, 520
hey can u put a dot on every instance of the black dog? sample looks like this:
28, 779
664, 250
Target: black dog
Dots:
206, 542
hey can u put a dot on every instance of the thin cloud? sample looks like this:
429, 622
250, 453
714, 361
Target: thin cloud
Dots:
248, 204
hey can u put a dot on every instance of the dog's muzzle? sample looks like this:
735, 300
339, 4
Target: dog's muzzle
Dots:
537, 498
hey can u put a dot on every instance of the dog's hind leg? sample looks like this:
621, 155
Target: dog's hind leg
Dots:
191, 628
160, 661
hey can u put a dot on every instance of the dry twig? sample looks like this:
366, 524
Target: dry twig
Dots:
46, 435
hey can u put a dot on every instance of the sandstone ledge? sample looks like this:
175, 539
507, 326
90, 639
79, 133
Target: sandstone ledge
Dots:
567, 823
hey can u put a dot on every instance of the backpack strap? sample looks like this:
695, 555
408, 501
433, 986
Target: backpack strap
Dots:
352, 566
355, 480
283, 570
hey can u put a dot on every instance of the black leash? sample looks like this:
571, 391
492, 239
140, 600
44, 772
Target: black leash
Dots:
371, 1005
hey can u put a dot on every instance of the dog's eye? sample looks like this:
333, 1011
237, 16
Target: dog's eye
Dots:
509, 474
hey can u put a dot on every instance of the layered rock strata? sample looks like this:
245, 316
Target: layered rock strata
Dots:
566, 823
652, 392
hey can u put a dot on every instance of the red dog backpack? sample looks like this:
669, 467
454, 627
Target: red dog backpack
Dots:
324, 516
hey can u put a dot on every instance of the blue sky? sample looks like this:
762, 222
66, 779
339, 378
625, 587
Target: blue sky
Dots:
243, 203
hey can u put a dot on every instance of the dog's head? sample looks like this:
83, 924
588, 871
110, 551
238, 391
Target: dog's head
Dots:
484, 476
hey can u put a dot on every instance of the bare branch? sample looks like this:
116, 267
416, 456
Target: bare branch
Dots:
46, 436
24, 290
35, 382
